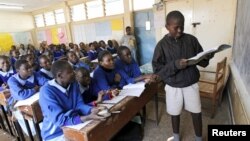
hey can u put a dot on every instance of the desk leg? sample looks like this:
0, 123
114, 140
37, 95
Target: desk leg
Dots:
156, 109
6, 119
28, 129
38, 131
2, 123
144, 114
19, 131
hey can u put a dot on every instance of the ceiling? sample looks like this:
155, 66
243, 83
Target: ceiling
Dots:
30, 5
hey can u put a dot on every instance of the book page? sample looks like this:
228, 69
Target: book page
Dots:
114, 100
136, 85
132, 92
28, 101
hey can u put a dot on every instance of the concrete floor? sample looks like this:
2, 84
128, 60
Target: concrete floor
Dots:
164, 129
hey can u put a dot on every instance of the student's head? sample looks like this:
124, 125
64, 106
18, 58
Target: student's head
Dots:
175, 23
22, 46
128, 30
13, 47
105, 59
110, 43
45, 62
71, 45
83, 76
71, 55
15, 53
30, 58
63, 72
4, 63
124, 54
91, 46
23, 68
102, 43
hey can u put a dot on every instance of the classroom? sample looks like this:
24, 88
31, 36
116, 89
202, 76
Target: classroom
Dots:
120, 70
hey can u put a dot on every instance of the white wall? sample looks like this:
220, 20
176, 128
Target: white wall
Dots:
15, 22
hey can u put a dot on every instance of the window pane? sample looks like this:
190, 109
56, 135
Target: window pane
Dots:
49, 18
59, 13
145, 4
39, 20
94, 9
78, 12
114, 7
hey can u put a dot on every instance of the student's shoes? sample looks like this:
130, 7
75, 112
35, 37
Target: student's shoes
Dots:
170, 138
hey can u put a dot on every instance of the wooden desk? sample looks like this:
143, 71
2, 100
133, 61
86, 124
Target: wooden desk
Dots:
105, 130
32, 112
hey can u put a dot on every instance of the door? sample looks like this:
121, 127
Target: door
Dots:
146, 41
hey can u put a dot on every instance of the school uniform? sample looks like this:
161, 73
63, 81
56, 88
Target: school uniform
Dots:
92, 55
112, 50
100, 49
128, 71
12, 61
4, 76
45, 73
60, 107
58, 54
23, 89
79, 64
104, 79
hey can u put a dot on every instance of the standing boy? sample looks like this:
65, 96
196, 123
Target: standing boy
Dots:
170, 63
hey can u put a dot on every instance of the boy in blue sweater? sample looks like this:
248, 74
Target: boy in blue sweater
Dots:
75, 62
45, 65
92, 53
62, 104
106, 76
23, 85
6, 71
128, 68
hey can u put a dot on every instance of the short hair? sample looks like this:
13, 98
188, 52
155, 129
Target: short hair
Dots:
59, 66
102, 54
82, 70
175, 15
120, 49
43, 56
19, 63
70, 52
128, 27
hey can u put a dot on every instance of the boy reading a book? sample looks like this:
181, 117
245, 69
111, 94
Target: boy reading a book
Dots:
170, 63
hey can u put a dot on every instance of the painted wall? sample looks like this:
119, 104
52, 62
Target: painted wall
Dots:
240, 74
15, 22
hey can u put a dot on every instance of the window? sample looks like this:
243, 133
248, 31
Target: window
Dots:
95, 9
59, 13
114, 7
39, 20
49, 18
78, 12
138, 4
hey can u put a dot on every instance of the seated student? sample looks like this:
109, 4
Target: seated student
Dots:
105, 75
23, 85
45, 64
75, 62
102, 46
62, 104
87, 88
111, 48
32, 61
57, 52
14, 53
92, 54
128, 68
6, 71
83, 49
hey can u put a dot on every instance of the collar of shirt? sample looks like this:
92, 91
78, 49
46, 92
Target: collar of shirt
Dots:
46, 72
30, 79
92, 51
82, 88
59, 87
7, 73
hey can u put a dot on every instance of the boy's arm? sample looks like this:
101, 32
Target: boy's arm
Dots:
41, 79
17, 91
55, 113
160, 66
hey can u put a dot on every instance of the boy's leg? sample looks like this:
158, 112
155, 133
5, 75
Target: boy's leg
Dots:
176, 127
197, 122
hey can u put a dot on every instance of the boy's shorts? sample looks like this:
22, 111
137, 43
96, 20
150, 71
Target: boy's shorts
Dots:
176, 98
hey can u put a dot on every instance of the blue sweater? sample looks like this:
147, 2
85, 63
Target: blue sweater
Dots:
128, 71
4, 76
112, 50
47, 74
80, 64
22, 89
60, 107
92, 55
104, 79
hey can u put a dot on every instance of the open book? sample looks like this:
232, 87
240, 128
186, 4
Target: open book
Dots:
133, 89
200, 56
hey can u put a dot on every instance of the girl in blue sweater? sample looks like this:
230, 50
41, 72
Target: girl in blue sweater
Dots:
6, 71
61, 103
